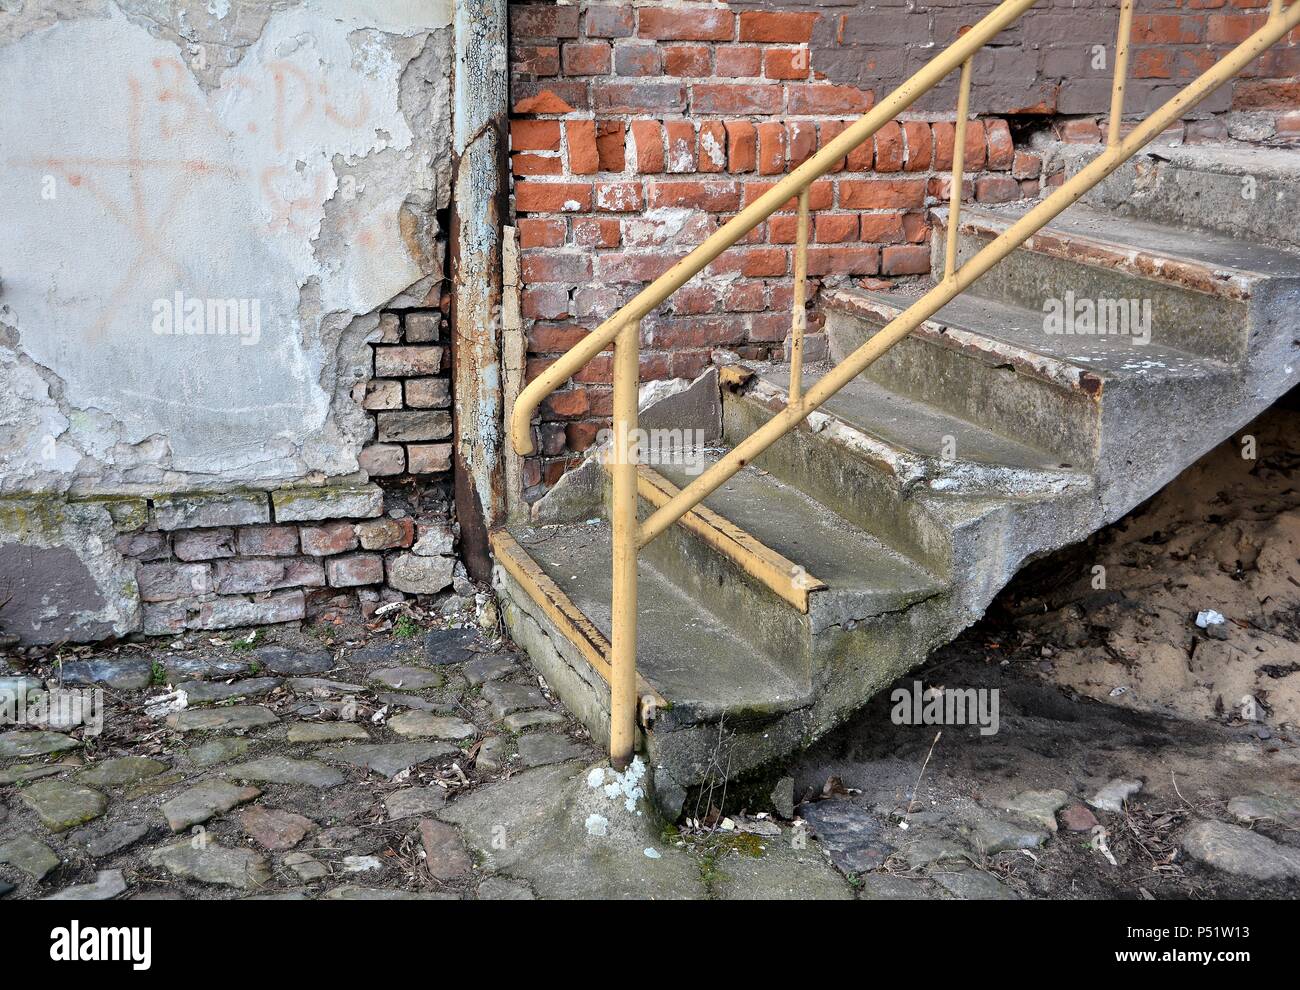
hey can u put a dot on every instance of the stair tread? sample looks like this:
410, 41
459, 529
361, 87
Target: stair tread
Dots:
915, 426
801, 529
1109, 357
683, 649
1156, 240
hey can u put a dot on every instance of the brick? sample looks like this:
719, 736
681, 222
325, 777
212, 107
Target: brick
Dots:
354, 570
648, 142
401, 362
567, 404
996, 189
423, 328
386, 533
609, 21
627, 267
737, 98
611, 145
543, 20
1173, 29
638, 60
432, 539
843, 261
715, 197
771, 149
713, 146
382, 460
596, 232
889, 148
772, 27
619, 197
639, 97
534, 60
267, 541
592, 58
801, 141
405, 426
1081, 131
334, 537
820, 195
1266, 94
681, 154
870, 194
545, 101
881, 228
529, 163
678, 24
785, 63
828, 131
687, 60
862, 158
419, 575
249, 577
920, 146
1026, 165
204, 544
545, 302
833, 228
735, 61
818, 98
546, 337
390, 328
694, 300
229, 613
428, 393
742, 146
538, 232
553, 197
168, 582
534, 135
944, 135
763, 262
1002, 149
581, 138
382, 393
431, 458
202, 511
334, 502
915, 227
905, 259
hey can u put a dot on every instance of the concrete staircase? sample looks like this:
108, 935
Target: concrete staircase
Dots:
886, 523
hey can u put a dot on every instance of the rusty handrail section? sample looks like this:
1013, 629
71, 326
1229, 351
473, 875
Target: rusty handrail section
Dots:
623, 328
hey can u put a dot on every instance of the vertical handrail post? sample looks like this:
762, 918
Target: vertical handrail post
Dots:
1275, 9
799, 316
1121, 72
622, 677
958, 167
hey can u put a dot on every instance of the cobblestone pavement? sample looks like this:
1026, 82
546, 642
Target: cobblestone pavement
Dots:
426, 762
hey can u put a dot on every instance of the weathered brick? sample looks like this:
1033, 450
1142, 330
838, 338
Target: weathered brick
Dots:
423, 328
638, 60
406, 426
390, 329
648, 142
581, 138
592, 58
618, 197
528, 163
167, 581
819, 98
386, 533
195, 511
417, 575
713, 146
889, 148
996, 189
382, 460
836, 228
870, 194
382, 393
433, 539
329, 538
683, 24
593, 232
687, 60
204, 544
354, 569
144, 546
553, 197
535, 135
609, 21
334, 502
777, 27
735, 61
543, 20
544, 101
267, 541
801, 141
611, 145
1026, 165
785, 63
556, 266
771, 149
401, 362
920, 145
882, 228
905, 259
843, 261
428, 393
567, 403
681, 155
742, 146
228, 613
712, 196
432, 458
641, 96
247, 577
545, 302
541, 232
738, 98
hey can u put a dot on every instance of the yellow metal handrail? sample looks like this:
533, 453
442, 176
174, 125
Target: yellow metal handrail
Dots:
623, 329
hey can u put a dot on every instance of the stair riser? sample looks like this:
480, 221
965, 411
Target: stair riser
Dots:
846, 484
1250, 204
1037, 412
1196, 322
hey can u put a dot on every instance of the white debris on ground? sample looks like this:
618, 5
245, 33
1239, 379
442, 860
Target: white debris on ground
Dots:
625, 785
597, 825
1208, 618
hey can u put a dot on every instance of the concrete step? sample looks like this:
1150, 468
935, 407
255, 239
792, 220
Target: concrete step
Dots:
878, 460
992, 363
1201, 293
1243, 192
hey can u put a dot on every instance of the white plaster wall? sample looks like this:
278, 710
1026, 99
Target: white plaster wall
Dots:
272, 153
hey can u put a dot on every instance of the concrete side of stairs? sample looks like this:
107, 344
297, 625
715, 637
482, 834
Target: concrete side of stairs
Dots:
884, 524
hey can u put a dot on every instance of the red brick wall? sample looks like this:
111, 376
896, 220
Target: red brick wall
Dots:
639, 130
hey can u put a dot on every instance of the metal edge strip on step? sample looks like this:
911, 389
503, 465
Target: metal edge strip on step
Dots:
567, 617
1068, 245
1048, 369
785, 578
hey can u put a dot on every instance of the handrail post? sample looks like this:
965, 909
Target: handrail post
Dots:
958, 167
799, 316
1121, 72
1275, 9
622, 678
